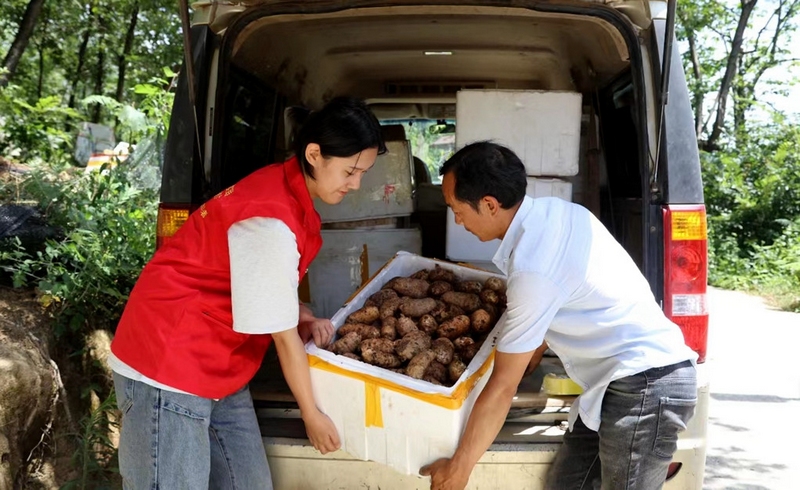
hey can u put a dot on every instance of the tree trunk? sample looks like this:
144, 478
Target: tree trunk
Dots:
122, 61
21, 40
741, 103
87, 34
100, 73
730, 73
698, 98
40, 79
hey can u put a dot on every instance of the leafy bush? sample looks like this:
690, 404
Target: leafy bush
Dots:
108, 228
96, 456
35, 131
753, 200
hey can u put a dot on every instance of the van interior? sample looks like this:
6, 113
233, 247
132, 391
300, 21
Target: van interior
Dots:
410, 66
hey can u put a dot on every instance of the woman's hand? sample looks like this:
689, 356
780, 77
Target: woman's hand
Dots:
320, 329
321, 432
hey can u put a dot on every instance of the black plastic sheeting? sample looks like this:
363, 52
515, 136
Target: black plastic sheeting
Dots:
26, 223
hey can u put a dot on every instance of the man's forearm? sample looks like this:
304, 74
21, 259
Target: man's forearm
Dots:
487, 418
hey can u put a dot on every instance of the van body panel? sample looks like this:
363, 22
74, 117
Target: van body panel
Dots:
680, 159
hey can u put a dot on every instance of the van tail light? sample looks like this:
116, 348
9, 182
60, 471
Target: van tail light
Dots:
686, 273
170, 218
673, 470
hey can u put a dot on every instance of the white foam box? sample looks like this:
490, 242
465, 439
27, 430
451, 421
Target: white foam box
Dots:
340, 269
463, 246
385, 190
387, 417
542, 127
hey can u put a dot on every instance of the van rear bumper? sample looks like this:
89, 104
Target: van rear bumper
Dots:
296, 465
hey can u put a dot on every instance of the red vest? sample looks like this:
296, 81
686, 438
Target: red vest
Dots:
177, 325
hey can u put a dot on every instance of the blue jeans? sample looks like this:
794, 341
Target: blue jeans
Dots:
173, 441
639, 425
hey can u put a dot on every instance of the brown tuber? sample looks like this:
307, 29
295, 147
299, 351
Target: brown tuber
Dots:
389, 328
412, 344
439, 273
417, 307
473, 287
367, 314
347, 344
365, 331
428, 324
495, 284
438, 288
405, 326
444, 350
455, 369
413, 288
466, 301
481, 321
419, 364
455, 327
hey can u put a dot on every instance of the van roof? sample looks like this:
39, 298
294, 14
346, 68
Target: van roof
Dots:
219, 13
426, 51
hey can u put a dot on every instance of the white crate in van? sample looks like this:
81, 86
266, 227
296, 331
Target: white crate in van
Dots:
387, 417
385, 190
542, 127
463, 246
336, 272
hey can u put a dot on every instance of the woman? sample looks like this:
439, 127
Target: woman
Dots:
209, 303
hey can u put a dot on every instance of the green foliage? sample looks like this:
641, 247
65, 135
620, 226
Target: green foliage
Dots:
108, 228
52, 64
431, 142
40, 130
753, 201
96, 455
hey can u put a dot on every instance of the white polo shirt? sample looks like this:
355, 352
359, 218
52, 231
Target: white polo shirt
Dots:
572, 284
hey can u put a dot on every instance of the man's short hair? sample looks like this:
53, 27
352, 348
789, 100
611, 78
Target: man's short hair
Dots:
487, 169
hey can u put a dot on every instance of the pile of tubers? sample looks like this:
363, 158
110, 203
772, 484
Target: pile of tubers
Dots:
427, 326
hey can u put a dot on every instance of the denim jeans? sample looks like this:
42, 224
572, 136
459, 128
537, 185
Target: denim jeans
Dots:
173, 441
640, 420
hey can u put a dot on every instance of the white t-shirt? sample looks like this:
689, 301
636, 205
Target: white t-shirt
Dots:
572, 284
264, 278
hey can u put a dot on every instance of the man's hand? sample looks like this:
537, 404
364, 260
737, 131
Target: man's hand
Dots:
320, 329
446, 475
321, 432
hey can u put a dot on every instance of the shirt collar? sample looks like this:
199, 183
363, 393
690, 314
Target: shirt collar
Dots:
298, 187
513, 233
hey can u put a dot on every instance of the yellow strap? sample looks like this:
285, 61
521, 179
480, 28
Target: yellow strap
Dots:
373, 416
451, 402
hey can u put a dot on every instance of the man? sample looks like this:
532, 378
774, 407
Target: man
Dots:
573, 288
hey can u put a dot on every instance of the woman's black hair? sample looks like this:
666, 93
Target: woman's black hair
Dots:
487, 169
344, 127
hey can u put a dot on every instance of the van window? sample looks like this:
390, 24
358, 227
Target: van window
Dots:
431, 141
250, 112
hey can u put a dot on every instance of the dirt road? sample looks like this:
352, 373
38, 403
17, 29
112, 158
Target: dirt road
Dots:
754, 413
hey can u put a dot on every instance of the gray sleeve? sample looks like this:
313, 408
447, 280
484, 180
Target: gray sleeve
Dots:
264, 276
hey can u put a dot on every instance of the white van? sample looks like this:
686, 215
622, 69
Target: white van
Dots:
636, 168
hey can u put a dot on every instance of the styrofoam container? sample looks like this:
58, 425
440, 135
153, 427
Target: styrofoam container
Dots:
542, 127
336, 272
385, 190
387, 417
463, 246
